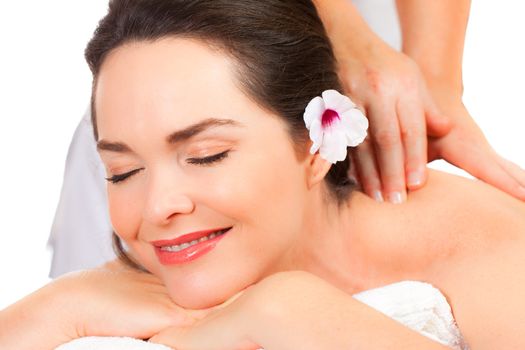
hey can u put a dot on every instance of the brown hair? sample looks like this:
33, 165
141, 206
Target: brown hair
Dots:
281, 50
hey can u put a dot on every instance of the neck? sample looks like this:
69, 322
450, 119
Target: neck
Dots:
333, 244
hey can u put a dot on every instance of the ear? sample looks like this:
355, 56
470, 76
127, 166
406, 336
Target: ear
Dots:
317, 168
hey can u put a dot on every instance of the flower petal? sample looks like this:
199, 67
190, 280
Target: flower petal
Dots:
336, 101
316, 135
333, 148
354, 124
314, 110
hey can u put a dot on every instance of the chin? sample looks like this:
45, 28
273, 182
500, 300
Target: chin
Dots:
200, 293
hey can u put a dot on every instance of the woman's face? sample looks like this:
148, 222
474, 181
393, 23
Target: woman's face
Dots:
237, 169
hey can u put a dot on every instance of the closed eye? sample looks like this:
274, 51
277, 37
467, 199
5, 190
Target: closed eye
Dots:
121, 177
208, 160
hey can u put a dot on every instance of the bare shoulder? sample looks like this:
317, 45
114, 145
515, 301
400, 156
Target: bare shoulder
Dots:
483, 276
450, 218
468, 212
485, 291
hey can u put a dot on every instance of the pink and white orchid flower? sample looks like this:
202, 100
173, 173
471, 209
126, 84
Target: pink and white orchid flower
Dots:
335, 123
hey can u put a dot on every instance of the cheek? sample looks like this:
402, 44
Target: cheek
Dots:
262, 191
125, 212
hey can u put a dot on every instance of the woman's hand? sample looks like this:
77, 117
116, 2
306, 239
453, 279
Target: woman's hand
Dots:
289, 311
226, 327
116, 300
113, 300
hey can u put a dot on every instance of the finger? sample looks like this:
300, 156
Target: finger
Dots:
388, 151
437, 124
513, 169
489, 170
210, 334
367, 170
414, 137
433, 149
517, 173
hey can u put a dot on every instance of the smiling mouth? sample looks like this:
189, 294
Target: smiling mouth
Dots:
179, 247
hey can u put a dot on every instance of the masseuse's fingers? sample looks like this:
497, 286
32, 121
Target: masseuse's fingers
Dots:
485, 164
385, 133
414, 136
513, 169
368, 173
437, 124
466, 147
511, 178
495, 172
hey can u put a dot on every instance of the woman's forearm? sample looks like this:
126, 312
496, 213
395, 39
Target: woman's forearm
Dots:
36, 322
111, 300
295, 310
434, 36
302, 311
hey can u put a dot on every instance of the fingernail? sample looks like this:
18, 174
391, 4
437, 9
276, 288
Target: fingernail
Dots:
378, 196
395, 198
414, 179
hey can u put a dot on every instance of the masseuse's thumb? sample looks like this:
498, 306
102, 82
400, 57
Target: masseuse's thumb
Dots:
438, 124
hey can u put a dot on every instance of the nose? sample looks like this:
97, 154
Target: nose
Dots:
165, 199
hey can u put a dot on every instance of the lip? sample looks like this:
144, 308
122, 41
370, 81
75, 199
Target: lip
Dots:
186, 238
188, 254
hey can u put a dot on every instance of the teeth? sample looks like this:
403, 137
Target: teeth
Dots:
177, 248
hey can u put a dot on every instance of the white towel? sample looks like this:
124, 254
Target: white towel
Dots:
420, 307
417, 305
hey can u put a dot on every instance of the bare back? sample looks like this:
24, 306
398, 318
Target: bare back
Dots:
464, 237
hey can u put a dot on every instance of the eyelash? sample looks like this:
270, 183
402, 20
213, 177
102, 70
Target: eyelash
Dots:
197, 161
209, 160
121, 177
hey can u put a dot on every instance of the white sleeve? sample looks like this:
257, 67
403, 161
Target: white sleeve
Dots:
81, 231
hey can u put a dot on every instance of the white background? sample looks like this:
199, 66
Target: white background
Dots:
45, 87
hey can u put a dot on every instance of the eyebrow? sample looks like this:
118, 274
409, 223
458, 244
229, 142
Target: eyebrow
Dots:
175, 137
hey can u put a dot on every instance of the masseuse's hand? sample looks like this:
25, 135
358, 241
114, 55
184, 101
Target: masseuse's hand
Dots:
115, 300
390, 88
404, 121
466, 147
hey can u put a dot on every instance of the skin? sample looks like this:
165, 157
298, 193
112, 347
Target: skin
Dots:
170, 197
413, 98
448, 234
292, 258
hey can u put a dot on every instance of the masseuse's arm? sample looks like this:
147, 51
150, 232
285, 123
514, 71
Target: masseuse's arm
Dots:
433, 36
392, 87
295, 310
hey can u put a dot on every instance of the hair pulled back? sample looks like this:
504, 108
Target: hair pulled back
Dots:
282, 54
